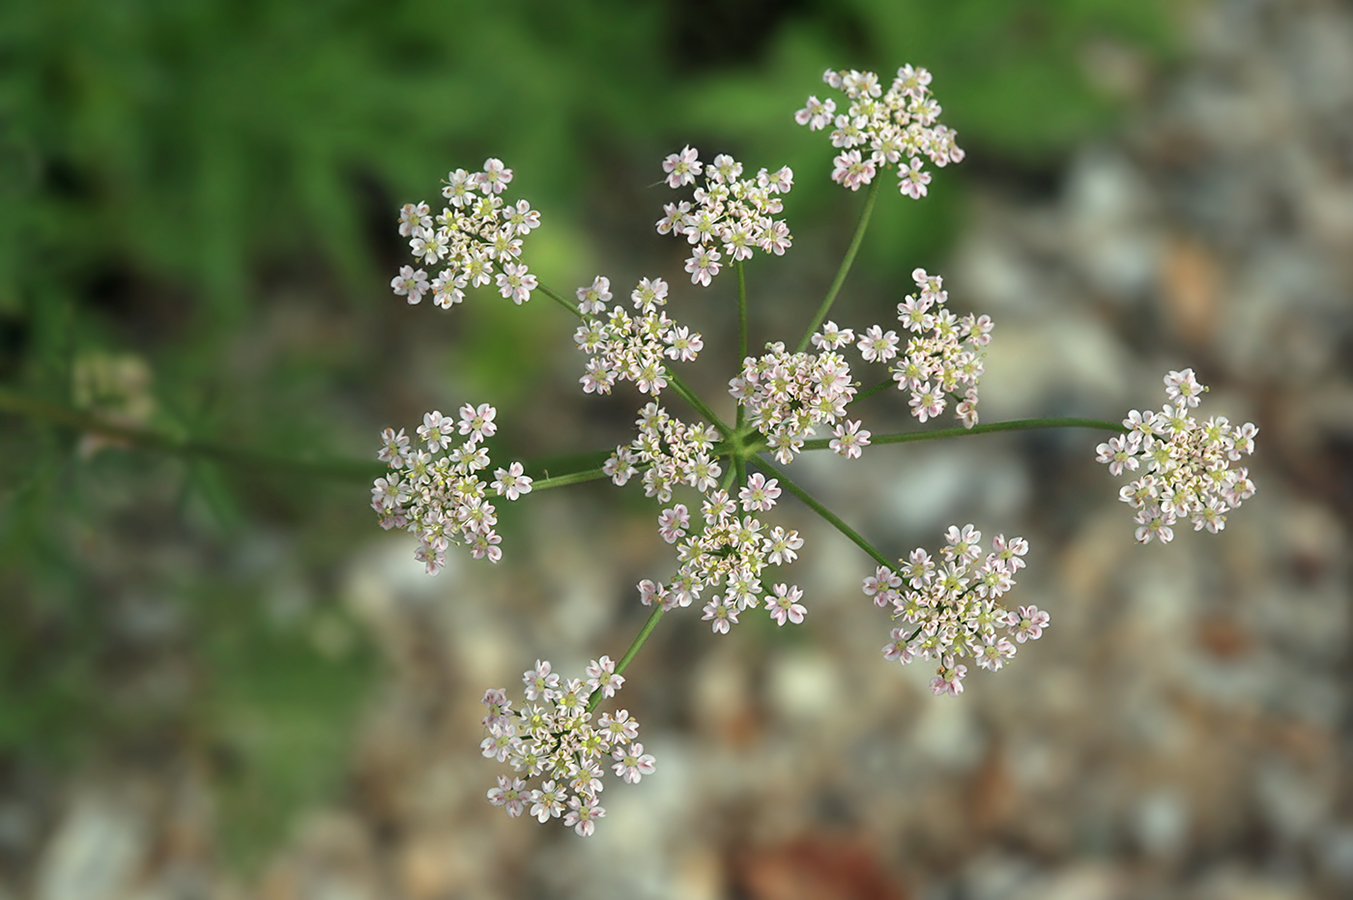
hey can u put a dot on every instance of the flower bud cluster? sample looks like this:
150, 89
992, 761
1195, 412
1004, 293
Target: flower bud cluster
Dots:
893, 125
476, 232
787, 395
951, 608
558, 749
943, 356
630, 347
441, 498
1185, 464
734, 213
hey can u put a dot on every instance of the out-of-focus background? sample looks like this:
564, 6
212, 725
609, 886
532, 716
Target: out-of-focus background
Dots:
220, 679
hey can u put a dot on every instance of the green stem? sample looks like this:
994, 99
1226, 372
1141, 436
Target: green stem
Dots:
562, 301
83, 421
742, 329
832, 518
731, 476
632, 651
845, 265
990, 427
871, 391
148, 439
544, 484
696, 403
565, 464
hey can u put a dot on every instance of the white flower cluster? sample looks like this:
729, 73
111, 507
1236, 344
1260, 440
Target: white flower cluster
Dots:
554, 741
787, 395
670, 452
630, 347
476, 232
442, 499
943, 357
736, 213
731, 551
952, 608
900, 123
1186, 464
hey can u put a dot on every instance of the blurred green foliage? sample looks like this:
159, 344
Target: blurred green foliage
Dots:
285, 693
172, 172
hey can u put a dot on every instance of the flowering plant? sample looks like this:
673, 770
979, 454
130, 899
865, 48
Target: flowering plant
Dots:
715, 480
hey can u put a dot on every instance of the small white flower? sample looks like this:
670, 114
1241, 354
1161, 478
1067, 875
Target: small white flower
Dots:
510, 482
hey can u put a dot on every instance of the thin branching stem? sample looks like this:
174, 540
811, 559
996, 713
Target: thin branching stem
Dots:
844, 270
832, 518
697, 404
185, 446
562, 301
554, 481
871, 391
633, 651
988, 428
742, 329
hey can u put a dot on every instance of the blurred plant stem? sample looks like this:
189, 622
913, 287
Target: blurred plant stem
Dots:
578, 467
985, 428
185, 446
846, 262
